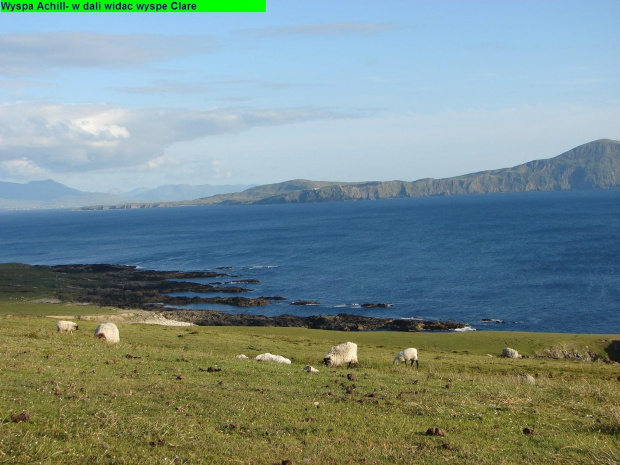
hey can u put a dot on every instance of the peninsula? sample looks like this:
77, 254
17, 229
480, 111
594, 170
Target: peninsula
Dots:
595, 165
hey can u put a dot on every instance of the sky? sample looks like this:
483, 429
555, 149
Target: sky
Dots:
334, 90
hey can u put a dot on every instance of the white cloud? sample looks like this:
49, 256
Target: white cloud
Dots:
157, 163
164, 87
78, 138
219, 170
319, 29
38, 53
21, 169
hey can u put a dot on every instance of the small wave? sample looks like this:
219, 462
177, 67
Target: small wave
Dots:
305, 303
464, 329
259, 267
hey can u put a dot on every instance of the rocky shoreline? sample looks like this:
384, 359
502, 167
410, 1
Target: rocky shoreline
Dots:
340, 322
128, 287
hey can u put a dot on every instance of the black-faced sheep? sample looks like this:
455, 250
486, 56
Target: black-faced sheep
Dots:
341, 354
109, 332
66, 326
407, 355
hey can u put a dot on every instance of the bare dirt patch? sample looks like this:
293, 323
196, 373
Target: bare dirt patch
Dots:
133, 317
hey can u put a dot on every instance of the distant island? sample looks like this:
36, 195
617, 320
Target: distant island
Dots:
595, 165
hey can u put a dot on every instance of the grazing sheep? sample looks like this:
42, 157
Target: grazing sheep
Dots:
310, 369
66, 326
341, 354
510, 353
267, 357
109, 332
407, 355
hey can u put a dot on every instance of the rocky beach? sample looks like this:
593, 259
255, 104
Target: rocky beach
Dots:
130, 288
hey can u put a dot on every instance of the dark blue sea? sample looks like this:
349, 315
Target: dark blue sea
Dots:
544, 262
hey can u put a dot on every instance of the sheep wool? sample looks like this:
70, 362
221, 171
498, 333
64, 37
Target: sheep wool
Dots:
524, 378
66, 326
267, 357
510, 353
407, 355
341, 354
109, 332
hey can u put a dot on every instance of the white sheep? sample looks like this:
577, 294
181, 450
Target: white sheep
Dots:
524, 378
267, 357
109, 332
407, 355
66, 326
510, 353
310, 369
341, 354
241, 356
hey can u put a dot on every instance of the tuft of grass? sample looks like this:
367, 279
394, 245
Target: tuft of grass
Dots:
571, 351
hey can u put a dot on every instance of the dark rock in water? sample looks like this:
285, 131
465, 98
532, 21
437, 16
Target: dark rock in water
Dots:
379, 305
341, 322
129, 287
234, 301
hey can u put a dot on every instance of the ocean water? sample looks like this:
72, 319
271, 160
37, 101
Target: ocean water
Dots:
545, 262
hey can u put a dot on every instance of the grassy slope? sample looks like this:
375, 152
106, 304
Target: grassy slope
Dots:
90, 403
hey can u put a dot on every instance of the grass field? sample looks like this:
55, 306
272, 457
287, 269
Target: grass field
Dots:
153, 400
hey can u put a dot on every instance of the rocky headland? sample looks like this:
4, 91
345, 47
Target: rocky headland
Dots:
130, 288
595, 165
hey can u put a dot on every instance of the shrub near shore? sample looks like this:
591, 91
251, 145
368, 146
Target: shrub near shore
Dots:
154, 399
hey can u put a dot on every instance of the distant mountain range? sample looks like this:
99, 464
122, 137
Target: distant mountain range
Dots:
51, 194
595, 165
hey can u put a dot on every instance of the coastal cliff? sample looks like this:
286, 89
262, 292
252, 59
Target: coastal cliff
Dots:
595, 165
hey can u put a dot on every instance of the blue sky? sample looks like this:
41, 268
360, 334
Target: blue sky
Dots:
324, 90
